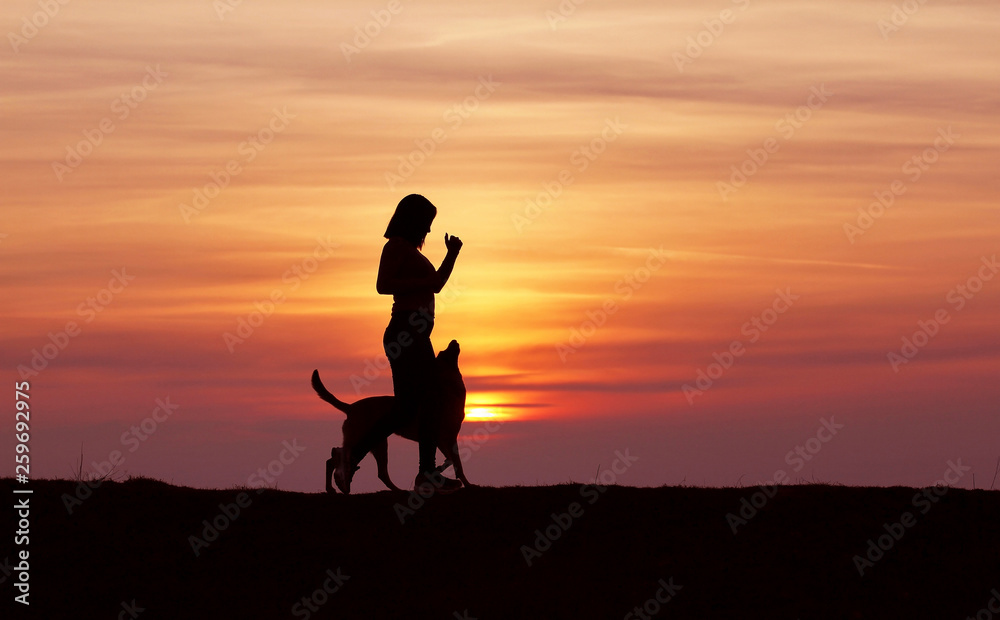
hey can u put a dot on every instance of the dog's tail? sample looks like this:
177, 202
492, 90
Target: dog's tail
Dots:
325, 393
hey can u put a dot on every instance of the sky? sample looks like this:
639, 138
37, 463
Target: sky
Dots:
714, 240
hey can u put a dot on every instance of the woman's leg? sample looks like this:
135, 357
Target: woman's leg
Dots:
414, 382
427, 407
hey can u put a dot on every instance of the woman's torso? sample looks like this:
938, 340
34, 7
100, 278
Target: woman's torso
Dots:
412, 265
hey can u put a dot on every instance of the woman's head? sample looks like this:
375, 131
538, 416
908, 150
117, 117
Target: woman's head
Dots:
412, 219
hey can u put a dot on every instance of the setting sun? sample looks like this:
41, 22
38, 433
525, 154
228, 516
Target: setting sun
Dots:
482, 413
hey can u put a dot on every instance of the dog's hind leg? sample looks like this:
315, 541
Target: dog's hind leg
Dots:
457, 462
381, 453
331, 464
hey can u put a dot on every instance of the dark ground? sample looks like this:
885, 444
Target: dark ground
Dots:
460, 556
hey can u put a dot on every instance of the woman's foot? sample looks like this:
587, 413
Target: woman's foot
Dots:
428, 483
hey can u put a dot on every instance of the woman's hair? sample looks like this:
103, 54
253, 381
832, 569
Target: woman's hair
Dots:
412, 218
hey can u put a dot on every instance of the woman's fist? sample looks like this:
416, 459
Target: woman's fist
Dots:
454, 244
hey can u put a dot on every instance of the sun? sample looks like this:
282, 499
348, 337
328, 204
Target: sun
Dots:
485, 406
482, 413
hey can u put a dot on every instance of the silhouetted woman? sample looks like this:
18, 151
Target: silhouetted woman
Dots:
411, 279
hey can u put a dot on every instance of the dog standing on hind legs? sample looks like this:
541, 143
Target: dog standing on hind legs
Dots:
362, 416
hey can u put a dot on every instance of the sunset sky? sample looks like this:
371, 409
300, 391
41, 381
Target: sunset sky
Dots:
636, 184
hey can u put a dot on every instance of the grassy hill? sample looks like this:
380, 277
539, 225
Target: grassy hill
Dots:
567, 551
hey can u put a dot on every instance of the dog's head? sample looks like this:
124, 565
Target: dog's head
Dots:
449, 357
452, 384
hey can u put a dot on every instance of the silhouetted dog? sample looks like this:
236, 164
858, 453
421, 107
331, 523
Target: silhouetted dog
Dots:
363, 414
